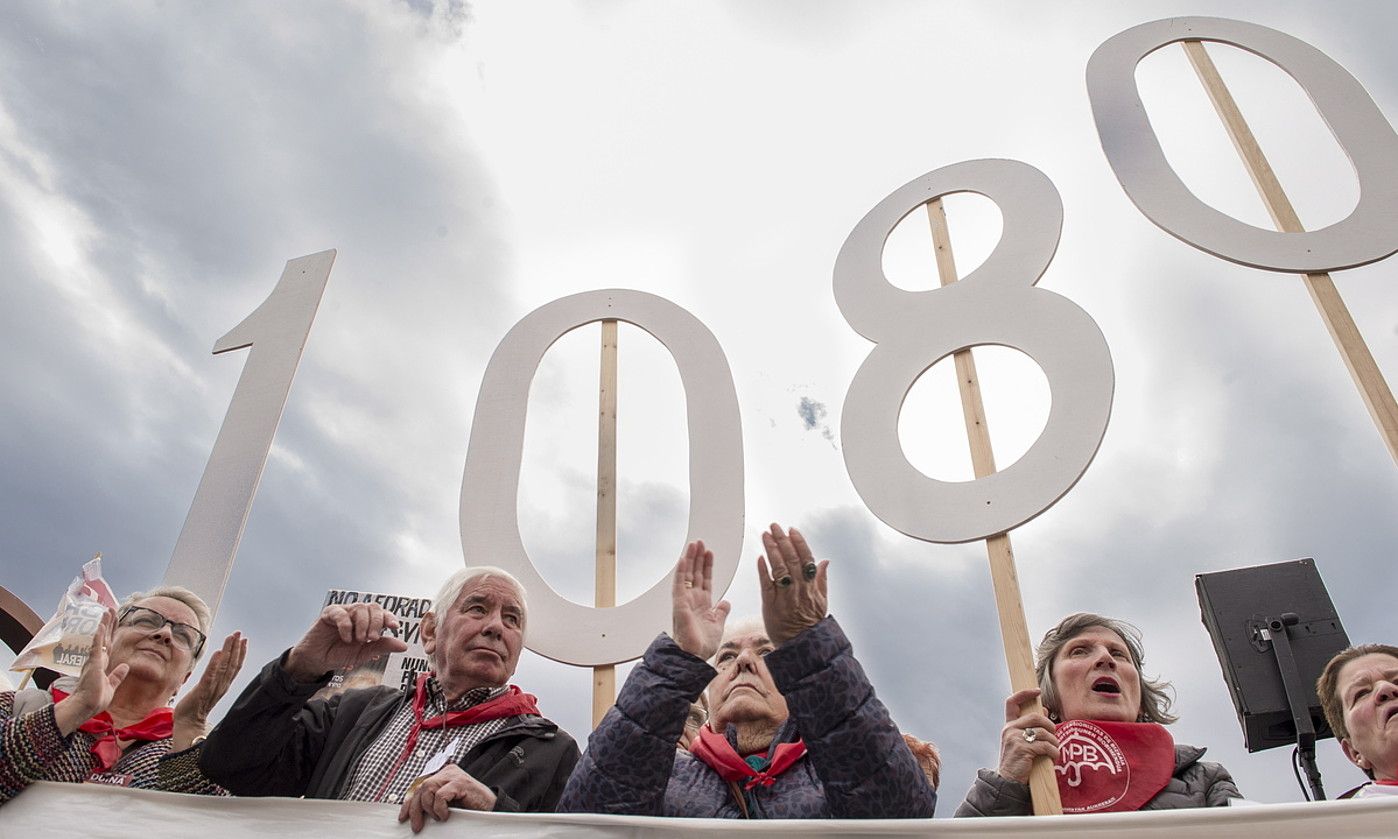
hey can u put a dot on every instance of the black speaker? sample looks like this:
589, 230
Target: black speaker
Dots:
1242, 609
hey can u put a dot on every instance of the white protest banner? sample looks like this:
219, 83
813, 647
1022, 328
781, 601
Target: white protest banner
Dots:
99, 812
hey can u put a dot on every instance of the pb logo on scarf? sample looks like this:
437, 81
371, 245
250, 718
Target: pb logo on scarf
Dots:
1112, 766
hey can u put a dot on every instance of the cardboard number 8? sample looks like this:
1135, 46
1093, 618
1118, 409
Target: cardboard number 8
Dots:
995, 304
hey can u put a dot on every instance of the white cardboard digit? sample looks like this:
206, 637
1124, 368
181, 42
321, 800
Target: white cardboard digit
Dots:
559, 628
1368, 234
995, 304
277, 332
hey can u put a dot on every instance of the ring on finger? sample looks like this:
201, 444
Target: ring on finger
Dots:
809, 570
689, 584
1031, 734
784, 582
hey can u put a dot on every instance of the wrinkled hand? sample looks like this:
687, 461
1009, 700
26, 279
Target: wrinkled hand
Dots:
1017, 755
343, 636
698, 623
192, 712
450, 787
792, 601
95, 687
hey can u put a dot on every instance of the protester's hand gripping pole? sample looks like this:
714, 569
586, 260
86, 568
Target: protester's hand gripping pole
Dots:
1014, 630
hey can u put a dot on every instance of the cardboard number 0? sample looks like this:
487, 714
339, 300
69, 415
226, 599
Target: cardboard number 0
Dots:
995, 304
559, 628
1366, 235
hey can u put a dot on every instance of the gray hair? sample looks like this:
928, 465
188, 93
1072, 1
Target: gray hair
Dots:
1155, 693
741, 626
195, 603
451, 589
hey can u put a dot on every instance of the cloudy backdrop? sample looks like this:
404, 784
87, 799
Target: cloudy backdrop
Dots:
160, 161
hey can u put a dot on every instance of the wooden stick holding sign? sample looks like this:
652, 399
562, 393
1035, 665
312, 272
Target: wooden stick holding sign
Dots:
1378, 398
1366, 235
995, 304
604, 675
1014, 629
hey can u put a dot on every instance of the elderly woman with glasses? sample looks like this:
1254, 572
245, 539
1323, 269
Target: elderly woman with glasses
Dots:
113, 723
1103, 716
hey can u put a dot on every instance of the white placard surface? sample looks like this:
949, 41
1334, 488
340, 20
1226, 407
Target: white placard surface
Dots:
995, 304
559, 628
1368, 234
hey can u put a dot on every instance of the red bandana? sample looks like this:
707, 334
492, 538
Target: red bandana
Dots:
1112, 767
1385, 783
511, 703
715, 750
157, 725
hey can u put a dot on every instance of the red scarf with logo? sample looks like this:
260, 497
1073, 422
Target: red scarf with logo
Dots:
157, 725
1112, 767
511, 703
715, 750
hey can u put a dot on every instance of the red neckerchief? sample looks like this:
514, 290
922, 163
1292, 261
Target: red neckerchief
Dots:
715, 750
1393, 783
1112, 767
511, 703
157, 725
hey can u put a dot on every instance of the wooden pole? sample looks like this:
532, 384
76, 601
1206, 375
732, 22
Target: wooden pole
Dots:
1014, 630
604, 676
1378, 398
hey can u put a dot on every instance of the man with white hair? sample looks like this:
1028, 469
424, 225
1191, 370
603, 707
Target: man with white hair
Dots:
794, 732
463, 737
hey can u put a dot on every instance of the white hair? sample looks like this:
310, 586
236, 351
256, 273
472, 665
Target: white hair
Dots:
451, 589
742, 626
183, 595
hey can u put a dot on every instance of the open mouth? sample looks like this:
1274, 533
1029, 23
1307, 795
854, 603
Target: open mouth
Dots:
1106, 686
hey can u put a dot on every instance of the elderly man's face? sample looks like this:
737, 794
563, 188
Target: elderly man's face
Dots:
1368, 691
743, 691
476, 642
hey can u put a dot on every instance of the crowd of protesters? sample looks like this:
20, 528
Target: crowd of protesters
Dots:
759, 718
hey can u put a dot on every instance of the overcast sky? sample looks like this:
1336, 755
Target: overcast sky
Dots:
159, 162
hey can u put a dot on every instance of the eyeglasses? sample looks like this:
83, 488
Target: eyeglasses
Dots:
185, 636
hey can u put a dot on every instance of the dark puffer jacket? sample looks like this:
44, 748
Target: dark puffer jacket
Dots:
1195, 783
856, 766
278, 740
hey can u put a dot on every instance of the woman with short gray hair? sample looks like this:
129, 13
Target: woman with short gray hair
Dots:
113, 723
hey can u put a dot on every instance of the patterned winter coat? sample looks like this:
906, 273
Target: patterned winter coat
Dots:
33, 749
856, 767
1196, 783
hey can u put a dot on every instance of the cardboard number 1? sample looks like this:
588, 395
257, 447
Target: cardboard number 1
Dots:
995, 304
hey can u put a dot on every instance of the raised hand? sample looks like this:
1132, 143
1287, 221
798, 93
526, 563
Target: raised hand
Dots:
1026, 736
95, 687
192, 712
698, 623
343, 636
794, 588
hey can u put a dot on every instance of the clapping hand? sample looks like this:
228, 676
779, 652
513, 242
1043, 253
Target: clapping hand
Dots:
698, 623
794, 587
191, 720
96, 687
343, 636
